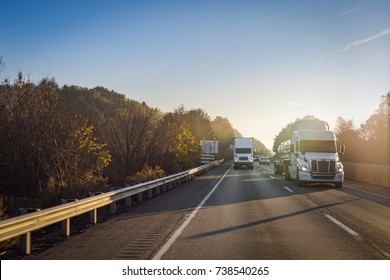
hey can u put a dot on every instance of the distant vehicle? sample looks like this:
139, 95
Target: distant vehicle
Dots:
264, 160
243, 152
256, 158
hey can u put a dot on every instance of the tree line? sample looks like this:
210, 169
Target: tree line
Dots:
61, 142
369, 143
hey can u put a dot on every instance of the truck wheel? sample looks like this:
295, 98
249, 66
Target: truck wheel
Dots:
338, 185
297, 181
287, 176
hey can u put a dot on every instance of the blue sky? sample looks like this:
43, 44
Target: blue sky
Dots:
261, 64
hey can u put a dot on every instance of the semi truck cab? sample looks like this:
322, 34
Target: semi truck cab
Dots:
314, 158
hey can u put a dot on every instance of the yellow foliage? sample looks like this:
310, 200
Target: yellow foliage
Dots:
147, 173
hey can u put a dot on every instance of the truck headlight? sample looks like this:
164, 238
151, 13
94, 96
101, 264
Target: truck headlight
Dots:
304, 168
340, 168
235, 157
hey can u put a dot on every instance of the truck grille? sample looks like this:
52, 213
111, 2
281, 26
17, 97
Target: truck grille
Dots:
243, 158
323, 166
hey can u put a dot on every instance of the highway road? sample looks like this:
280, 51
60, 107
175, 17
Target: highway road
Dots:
242, 214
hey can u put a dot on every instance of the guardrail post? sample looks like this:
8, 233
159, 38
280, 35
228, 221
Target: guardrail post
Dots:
113, 207
65, 225
128, 201
150, 193
93, 213
25, 239
139, 197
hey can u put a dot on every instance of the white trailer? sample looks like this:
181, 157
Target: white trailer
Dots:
313, 154
243, 152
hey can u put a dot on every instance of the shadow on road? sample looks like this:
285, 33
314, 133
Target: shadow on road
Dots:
269, 220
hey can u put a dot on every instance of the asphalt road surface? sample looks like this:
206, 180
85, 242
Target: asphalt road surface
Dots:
242, 214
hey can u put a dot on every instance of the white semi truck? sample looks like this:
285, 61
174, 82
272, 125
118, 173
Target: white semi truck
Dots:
243, 152
313, 154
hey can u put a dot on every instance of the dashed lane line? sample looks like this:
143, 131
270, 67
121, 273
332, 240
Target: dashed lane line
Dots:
340, 224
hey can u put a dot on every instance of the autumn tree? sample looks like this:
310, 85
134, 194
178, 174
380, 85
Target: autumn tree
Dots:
284, 135
223, 132
176, 147
199, 123
129, 136
261, 149
343, 125
376, 128
185, 149
44, 150
26, 109
375, 132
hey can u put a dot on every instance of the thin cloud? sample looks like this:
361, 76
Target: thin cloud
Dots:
296, 104
367, 40
350, 11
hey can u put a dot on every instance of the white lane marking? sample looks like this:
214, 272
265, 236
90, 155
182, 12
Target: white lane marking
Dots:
287, 188
177, 233
272, 177
366, 192
340, 224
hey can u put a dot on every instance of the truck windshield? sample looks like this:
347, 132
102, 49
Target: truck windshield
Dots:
318, 146
243, 150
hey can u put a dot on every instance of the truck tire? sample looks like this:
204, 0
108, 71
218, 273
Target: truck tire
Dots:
287, 176
338, 185
297, 181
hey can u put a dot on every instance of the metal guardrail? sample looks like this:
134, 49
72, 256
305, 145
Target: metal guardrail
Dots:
25, 224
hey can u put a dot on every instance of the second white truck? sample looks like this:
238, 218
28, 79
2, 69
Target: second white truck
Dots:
313, 154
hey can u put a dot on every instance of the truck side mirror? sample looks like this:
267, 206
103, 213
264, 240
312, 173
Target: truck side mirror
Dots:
342, 150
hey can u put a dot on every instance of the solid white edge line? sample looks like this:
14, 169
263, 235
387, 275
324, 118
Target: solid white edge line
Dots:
177, 233
287, 188
340, 224
366, 192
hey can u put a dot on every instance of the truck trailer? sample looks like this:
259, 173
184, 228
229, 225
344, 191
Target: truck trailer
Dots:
281, 157
243, 152
313, 156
